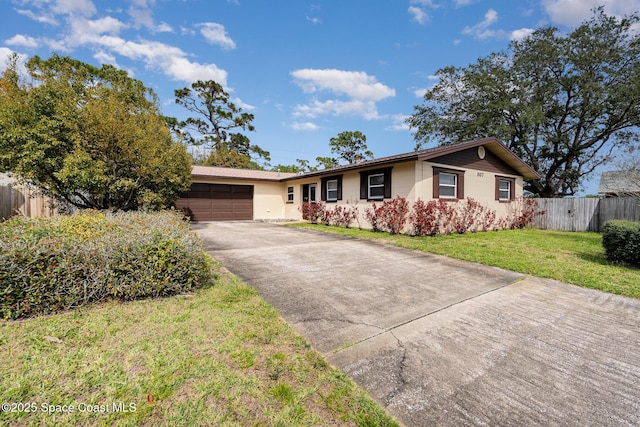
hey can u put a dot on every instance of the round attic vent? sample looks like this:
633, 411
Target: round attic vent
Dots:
481, 152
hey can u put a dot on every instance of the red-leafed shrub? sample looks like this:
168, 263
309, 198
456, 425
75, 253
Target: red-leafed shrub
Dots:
373, 216
524, 212
343, 216
390, 216
313, 212
472, 216
431, 218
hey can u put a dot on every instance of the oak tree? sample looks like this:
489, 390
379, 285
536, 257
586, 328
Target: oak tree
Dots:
564, 103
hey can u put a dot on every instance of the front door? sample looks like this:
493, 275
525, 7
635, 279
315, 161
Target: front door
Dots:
309, 192
308, 197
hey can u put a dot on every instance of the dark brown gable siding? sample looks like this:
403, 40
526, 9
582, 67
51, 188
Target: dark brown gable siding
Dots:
469, 159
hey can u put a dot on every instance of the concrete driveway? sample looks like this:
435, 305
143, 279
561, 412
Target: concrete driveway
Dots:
444, 342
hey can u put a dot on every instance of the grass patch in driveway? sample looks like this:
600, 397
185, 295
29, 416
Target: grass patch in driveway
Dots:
571, 257
221, 356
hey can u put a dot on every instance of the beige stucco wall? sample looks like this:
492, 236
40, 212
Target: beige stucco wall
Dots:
479, 185
412, 180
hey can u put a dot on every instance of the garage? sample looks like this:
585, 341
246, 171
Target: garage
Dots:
218, 202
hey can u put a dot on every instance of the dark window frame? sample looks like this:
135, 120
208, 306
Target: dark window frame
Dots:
364, 183
512, 188
324, 196
290, 194
459, 182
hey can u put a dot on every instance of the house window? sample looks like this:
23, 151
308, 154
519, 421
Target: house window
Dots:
289, 194
331, 188
448, 184
505, 189
375, 184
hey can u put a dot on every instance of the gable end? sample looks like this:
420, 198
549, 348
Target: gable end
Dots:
469, 159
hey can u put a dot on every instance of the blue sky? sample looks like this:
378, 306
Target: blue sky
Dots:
307, 70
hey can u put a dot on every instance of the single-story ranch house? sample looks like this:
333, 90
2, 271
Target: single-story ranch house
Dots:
484, 170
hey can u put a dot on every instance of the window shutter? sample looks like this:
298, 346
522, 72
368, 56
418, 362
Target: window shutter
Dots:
339, 178
460, 194
387, 183
323, 189
363, 185
436, 184
497, 188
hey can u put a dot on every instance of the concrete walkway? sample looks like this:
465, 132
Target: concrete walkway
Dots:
444, 342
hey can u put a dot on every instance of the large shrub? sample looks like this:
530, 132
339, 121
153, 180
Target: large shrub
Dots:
621, 241
390, 216
52, 264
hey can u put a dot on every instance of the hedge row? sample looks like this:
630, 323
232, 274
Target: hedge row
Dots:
621, 241
53, 264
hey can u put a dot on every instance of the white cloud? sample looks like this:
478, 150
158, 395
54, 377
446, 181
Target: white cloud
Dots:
169, 59
142, 15
5, 53
105, 58
42, 18
417, 8
361, 90
462, 3
20, 40
520, 34
239, 103
355, 84
163, 27
573, 12
74, 7
85, 29
420, 92
103, 37
215, 33
314, 20
481, 30
305, 126
419, 15
399, 123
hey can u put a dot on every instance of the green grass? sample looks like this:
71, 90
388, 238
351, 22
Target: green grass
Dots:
221, 356
570, 257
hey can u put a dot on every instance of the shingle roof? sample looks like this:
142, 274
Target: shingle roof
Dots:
222, 172
614, 182
492, 144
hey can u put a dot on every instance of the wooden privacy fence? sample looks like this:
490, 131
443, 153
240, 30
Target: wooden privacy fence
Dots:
585, 214
18, 200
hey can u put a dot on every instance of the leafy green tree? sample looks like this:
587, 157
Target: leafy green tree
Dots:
89, 137
563, 103
217, 125
326, 162
349, 145
301, 166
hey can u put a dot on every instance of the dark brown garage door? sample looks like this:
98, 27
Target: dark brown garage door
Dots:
218, 202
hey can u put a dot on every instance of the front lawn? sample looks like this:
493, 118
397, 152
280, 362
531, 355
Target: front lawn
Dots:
570, 257
218, 356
